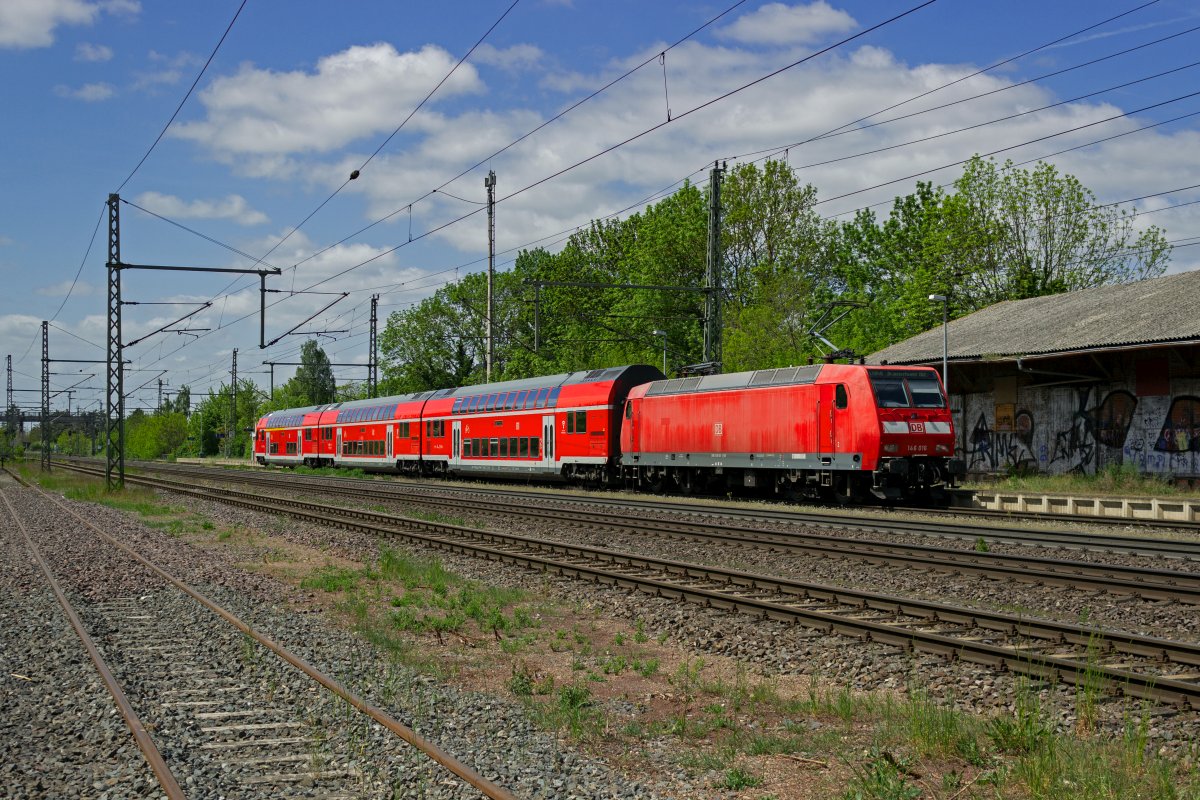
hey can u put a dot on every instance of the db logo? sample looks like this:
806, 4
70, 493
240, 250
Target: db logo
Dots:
916, 427
718, 428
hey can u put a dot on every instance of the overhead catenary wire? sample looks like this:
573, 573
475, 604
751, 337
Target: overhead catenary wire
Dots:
609, 149
1081, 145
355, 174
191, 89
440, 188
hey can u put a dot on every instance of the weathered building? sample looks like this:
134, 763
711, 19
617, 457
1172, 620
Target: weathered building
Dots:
1076, 381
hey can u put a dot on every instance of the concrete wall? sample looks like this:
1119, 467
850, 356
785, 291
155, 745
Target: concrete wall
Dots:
1082, 428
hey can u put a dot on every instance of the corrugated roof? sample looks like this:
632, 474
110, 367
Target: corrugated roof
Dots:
1165, 309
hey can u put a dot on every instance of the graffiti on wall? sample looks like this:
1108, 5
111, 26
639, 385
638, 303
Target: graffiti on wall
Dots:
1181, 429
1106, 423
991, 449
1113, 417
1071, 429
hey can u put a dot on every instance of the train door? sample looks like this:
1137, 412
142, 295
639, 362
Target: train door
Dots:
337, 450
455, 442
390, 439
548, 441
825, 423
631, 419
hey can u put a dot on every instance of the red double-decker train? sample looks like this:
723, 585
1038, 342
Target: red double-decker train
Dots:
848, 432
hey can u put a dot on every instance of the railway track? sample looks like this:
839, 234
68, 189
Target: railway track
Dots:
1149, 583
516, 499
189, 680
1165, 670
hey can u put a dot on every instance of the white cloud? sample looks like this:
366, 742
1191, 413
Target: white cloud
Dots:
359, 92
167, 71
232, 207
781, 24
60, 289
86, 51
89, 92
517, 57
31, 23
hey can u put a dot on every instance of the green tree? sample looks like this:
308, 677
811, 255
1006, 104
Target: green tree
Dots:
314, 376
432, 345
182, 404
1025, 233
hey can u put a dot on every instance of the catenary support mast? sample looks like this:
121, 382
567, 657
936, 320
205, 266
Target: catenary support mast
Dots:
712, 305
490, 184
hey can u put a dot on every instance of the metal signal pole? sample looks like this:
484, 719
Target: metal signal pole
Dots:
373, 379
45, 396
712, 304
490, 184
114, 397
232, 407
8, 409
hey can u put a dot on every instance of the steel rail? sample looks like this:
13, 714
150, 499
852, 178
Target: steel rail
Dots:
461, 770
1040, 537
1147, 583
145, 743
1021, 660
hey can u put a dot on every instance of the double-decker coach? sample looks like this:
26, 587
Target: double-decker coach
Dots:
558, 427
279, 437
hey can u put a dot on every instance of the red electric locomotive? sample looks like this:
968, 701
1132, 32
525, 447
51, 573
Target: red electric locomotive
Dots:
827, 430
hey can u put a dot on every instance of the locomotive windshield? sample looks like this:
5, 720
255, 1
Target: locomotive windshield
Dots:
906, 389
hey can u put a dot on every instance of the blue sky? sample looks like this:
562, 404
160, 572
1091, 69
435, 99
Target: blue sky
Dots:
301, 93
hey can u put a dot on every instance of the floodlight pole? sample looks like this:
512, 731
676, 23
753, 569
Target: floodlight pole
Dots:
663, 334
941, 298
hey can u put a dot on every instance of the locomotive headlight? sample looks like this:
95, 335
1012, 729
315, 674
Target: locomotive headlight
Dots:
891, 448
941, 448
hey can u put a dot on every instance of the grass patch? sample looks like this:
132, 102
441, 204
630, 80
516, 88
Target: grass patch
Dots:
1116, 479
336, 472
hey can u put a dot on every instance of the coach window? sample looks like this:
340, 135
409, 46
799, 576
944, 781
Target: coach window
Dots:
504, 448
581, 422
840, 398
541, 398
552, 401
520, 402
533, 447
